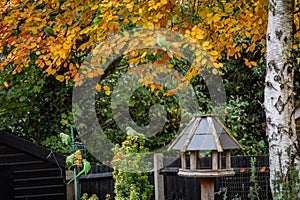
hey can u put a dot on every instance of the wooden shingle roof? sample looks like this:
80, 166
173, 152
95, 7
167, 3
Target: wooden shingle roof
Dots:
205, 133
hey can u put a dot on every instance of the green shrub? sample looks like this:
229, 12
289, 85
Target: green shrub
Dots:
131, 178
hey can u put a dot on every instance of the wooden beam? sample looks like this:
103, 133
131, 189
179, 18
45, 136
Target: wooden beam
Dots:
183, 160
193, 160
198, 160
158, 178
191, 134
220, 160
215, 134
228, 159
207, 189
214, 160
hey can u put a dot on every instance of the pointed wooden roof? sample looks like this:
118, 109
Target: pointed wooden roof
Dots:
205, 133
33, 149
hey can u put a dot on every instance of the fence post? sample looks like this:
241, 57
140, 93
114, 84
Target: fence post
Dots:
158, 179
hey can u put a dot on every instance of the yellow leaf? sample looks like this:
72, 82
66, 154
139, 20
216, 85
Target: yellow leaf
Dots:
60, 78
228, 7
218, 65
164, 2
216, 18
5, 84
213, 53
144, 54
94, 7
205, 44
107, 93
129, 7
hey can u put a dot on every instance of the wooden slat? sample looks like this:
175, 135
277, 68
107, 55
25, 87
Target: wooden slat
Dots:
21, 163
214, 133
3, 156
39, 187
37, 179
96, 176
39, 195
31, 173
36, 170
40, 181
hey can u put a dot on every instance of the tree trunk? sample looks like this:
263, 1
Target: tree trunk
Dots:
279, 98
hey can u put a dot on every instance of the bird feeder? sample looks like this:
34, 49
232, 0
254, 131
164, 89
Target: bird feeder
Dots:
205, 133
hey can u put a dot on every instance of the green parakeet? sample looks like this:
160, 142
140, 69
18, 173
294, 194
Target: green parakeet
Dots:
65, 138
70, 161
85, 170
48, 30
163, 43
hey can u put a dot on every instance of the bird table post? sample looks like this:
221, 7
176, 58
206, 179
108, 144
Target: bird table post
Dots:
205, 133
207, 189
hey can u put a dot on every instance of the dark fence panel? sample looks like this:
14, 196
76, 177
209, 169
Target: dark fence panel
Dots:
100, 181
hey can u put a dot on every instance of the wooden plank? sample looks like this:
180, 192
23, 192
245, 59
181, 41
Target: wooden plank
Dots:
183, 160
214, 160
39, 196
39, 187
38, 178
193, 160
215, 134
158, 179
19, 157
37, 173
40, 181
102, 175
207, 189
21, 163
220, 160
191, 134
228, 159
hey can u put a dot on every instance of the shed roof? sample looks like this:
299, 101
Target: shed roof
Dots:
205, 132
31, 148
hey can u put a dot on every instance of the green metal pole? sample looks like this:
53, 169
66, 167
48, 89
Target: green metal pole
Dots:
77, 187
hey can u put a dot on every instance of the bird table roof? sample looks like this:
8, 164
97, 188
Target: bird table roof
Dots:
205, 133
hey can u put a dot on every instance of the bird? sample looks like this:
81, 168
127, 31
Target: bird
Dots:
49, 31
65, 138
162, 42
70, 161
85, 170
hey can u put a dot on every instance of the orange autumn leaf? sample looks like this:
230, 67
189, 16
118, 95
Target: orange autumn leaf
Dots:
106, 88
263, 169
98, 87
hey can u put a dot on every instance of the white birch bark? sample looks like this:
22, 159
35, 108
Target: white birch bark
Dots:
279, 99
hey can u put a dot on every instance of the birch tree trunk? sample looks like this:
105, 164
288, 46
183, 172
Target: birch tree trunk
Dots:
279, 98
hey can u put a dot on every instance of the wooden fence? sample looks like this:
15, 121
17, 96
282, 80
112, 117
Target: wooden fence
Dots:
100, 181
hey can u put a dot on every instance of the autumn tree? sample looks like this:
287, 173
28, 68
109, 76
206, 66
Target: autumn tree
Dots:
56, 35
